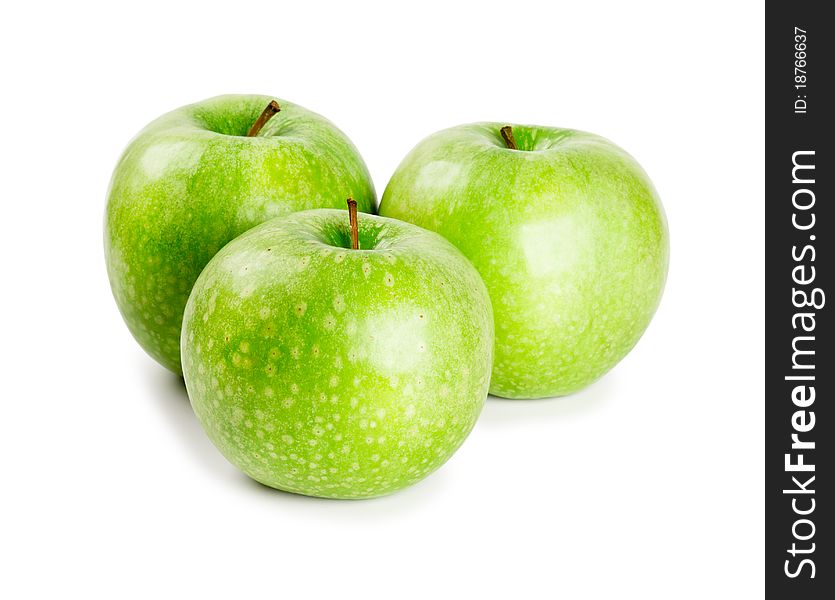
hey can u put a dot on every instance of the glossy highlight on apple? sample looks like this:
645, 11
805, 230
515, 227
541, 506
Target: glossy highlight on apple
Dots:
332, 352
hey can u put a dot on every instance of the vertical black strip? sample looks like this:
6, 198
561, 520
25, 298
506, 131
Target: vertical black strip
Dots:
800, 435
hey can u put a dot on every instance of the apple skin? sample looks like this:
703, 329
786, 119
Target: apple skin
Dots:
567, 232
326, 371
191, 181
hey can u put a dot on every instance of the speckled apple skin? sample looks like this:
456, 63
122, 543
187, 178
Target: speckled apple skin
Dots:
191, 181
332, 372
567, 232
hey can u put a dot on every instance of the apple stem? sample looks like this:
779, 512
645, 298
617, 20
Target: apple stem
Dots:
507, 136
352, 215
267, 114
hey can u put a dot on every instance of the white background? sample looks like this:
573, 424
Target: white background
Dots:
649, 484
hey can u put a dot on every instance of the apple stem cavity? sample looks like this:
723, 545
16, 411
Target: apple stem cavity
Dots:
352, 215
268, 113
507, 136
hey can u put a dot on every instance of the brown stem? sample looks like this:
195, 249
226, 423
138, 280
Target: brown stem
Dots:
507, 136
352, 215
266, 115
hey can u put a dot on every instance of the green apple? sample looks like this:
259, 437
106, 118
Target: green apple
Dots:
193, 179
323, 370
567, 232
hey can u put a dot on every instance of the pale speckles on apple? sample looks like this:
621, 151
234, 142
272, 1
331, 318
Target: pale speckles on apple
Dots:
247, 290
571, 243
393, 342
186, 186
334, 392
351, 326
242, 362
259, 209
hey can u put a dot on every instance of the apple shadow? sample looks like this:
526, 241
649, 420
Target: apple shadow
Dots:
171, 398
416, 497
504, 412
